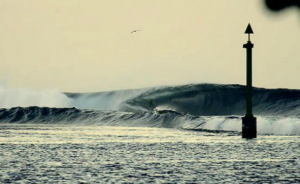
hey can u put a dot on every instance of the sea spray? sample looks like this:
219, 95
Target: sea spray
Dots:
111, 100
26, 97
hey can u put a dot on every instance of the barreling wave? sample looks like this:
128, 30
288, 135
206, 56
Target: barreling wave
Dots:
196, 99
193, 107
161, 119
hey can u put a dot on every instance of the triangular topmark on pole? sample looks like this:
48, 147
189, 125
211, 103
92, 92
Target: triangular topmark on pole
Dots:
249, 31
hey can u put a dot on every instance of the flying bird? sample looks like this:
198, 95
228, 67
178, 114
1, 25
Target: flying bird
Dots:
134, 31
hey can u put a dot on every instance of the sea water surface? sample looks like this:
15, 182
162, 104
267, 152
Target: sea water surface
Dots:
41, 153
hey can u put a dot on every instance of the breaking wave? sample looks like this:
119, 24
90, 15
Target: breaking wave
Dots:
192, 107
197, 100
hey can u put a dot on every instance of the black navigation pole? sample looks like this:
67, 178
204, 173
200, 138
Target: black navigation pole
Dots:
249, 129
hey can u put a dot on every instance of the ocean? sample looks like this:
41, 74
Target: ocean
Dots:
172, 134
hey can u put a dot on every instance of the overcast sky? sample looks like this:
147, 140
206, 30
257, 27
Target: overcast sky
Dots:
86, 45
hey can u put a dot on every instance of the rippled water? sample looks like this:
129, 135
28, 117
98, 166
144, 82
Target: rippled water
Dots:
52, 154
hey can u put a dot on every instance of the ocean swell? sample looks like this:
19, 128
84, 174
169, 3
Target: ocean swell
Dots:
161, 119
